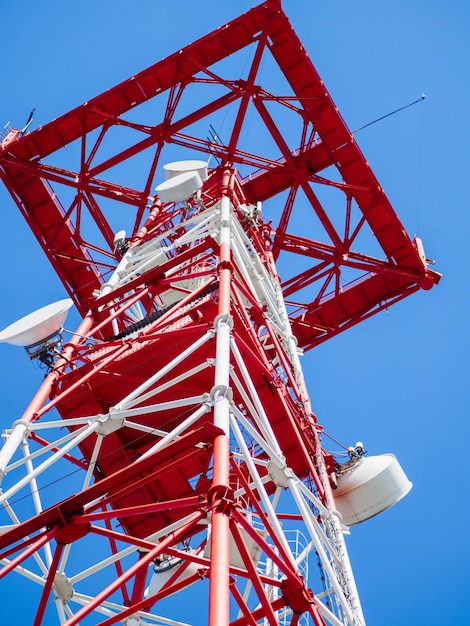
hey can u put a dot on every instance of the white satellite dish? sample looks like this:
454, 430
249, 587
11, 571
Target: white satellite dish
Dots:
370, 487
38, 326
180, 167
179, 188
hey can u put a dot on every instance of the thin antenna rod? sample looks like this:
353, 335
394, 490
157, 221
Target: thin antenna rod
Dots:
28, 123
423, 96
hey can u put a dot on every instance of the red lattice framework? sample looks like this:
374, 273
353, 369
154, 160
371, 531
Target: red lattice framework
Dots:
289, 196
309, 157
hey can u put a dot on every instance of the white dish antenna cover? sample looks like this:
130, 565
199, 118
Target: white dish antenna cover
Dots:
180, 167
37, 326
160, 578
179, 188
372, 486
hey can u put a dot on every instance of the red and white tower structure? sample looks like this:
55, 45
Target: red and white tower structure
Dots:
170, 464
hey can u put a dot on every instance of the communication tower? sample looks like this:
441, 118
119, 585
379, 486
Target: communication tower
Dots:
169, 469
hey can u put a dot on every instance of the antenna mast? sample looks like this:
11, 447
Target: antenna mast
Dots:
170, 468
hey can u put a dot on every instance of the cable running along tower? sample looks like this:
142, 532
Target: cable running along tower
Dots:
193, 483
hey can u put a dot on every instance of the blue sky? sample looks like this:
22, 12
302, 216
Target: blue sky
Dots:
398, 382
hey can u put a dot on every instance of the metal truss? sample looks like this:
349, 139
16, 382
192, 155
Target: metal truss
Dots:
171, 451
207, 487
340, 248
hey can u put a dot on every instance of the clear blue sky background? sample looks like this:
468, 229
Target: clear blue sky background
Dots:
398, 382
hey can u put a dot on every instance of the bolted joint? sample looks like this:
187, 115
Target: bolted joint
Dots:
109, 423
6, 434
297, 596
63, 588
279, 475
223, 318
71, 531
224, 265
219, 392
221, 498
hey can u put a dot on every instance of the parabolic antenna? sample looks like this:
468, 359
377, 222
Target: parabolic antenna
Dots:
37, 326
372, 486
180, 167
180, 187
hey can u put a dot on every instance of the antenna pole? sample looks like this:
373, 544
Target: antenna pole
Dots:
423, 97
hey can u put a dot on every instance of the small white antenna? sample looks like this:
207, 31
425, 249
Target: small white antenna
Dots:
183, 179
39, 332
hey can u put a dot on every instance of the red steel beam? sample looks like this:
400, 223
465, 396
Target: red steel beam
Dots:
331, 144
63, 512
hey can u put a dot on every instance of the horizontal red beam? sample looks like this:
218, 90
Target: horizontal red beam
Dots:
346, 308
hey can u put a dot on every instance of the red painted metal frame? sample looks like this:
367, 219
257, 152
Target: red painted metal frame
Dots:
77, 235
130, 491
326, 154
